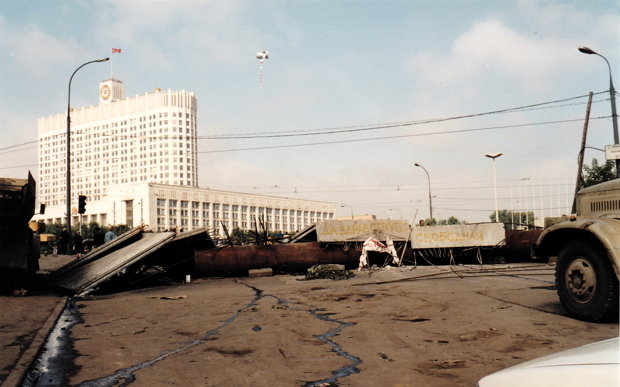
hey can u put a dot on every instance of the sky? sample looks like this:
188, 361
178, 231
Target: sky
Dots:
353, 95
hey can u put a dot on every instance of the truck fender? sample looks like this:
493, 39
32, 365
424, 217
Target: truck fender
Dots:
605, 231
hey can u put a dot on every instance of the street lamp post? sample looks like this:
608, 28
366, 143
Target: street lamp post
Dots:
494, 156
348, 205
69, 147
430, 198
612, 95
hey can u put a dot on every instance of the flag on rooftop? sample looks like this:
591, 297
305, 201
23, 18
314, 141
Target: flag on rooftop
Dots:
116, 51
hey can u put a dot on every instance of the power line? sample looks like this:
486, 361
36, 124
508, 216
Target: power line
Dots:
399, 136
395, 187
492, 210
345, 129
20, 166
18, 145
18, 150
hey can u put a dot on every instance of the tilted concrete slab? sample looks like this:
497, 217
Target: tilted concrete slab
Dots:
308, 234
197, 236
84, 277
97, 253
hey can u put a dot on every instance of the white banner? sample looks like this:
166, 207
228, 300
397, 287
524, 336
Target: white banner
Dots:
459, 235
360, 230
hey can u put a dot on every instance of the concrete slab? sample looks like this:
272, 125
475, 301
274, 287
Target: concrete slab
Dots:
97, 253
81, 278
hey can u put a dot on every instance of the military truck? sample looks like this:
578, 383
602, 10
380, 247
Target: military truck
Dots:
587, 247
19, 256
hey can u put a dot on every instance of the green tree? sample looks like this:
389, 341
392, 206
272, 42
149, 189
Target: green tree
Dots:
238, 236
453, 220
595, 173
88, 230
514, 219
442, 222
120, 229
54, 228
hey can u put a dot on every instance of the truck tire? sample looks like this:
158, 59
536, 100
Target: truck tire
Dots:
586, 282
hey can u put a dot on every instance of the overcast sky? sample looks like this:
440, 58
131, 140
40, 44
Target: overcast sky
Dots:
377, 75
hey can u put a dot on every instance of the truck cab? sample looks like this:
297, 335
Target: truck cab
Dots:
19, 258
587, 247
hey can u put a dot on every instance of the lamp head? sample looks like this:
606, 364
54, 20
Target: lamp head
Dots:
102, 60
417, 165
586, 50
493, 155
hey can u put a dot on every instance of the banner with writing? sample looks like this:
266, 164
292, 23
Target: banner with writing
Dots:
460, 235
360, 230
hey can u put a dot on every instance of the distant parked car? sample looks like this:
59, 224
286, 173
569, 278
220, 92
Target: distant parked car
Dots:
596, 364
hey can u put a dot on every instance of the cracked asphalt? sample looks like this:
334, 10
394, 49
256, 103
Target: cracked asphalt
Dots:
424, 326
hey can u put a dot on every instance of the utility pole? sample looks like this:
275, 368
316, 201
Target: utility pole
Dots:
582, 150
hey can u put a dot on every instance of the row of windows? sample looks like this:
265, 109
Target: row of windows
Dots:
172, 206
47, 146
216, 227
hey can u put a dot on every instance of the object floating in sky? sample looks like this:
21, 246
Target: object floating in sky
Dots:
262, 55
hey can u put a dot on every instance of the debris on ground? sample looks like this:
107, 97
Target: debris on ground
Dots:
181, 297
330, 271
19, 292
264, 272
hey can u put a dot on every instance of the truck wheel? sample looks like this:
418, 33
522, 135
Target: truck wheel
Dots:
586, 282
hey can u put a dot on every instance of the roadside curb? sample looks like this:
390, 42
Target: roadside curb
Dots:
17, 374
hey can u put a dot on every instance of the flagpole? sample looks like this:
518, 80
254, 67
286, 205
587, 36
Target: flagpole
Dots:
112, 64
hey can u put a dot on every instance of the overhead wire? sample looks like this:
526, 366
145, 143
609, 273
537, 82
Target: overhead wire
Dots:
345, 129
18, 145
20, 166
398, 136
349, 129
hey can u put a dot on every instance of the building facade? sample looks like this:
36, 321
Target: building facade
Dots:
166, 207
147, 138
135, 159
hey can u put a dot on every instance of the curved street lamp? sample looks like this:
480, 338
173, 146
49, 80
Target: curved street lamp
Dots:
430, 199
612, 95
494, 156
69, 147
342, 205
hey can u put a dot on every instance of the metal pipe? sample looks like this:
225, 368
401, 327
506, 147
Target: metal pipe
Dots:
296, 257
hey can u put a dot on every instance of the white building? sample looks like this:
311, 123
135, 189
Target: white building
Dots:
135, 159
147, 138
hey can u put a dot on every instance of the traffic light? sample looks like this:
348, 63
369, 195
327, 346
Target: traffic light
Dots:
81, 204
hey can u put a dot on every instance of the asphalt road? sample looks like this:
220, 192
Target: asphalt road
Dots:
424, 326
